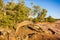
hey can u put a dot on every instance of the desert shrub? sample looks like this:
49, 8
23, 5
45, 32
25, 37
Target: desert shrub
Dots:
50, 19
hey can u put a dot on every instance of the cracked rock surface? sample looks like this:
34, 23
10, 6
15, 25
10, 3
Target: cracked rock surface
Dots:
28, 30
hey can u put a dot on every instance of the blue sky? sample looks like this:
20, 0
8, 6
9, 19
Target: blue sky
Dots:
52, 6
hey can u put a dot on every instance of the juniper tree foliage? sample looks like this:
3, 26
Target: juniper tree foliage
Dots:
18, 12
1, 4
50, 19
14, 13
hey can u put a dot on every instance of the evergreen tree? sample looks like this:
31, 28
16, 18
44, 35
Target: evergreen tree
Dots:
50, 19
1, 4
42, 15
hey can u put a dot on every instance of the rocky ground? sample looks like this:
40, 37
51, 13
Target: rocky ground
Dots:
32, 31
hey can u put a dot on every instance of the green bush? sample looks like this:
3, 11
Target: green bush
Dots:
50, 19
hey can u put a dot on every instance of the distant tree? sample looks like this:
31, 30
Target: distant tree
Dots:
42, 14
36, 9
20, 1
50, 19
